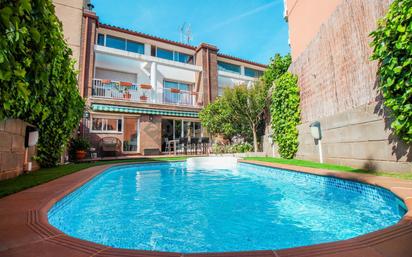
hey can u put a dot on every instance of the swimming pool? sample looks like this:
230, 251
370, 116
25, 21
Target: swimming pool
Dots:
184, 208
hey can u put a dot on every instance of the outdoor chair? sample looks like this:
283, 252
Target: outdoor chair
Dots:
204, 142
183, 144
194, 144
110, 145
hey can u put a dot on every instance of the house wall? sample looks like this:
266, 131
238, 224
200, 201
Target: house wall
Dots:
70, 13
305, 18
338, 88
12, 150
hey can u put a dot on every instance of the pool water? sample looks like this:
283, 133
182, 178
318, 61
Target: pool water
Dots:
168, 207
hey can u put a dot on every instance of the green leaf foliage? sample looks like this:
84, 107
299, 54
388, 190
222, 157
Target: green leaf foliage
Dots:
286, 114
277, 67
217, 119
238, 112
37, 76
247, 105
392, 47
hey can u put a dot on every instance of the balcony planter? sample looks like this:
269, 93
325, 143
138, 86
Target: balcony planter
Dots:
106, 81
175, 90
145, 86
126, 84
144, 98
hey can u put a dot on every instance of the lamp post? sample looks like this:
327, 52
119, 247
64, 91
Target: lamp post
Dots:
316, 132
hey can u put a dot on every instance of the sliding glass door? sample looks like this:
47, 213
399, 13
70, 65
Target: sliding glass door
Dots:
176, 129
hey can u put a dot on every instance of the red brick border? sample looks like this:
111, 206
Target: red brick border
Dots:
25, 231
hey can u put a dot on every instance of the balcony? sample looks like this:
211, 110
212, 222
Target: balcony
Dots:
143, 93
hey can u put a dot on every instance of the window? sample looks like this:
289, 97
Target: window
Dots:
135, 47
224, 66
106, 125
253, 73
100, 39
177, 85
182, 97
174, 56
165, 54
115, 42
184, 58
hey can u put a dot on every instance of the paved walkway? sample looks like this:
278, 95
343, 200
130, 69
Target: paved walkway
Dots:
25, 231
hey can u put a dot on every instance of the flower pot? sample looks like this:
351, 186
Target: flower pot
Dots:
175, 90
126, 84
143, 98
80, 154
127, 95
145, 86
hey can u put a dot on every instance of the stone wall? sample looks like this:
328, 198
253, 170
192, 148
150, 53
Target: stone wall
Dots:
338, 88
12, 150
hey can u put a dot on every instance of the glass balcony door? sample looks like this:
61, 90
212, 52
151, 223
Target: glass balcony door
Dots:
131, 135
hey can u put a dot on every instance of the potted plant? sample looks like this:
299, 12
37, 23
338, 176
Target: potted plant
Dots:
126, 94
144, 97
80, 146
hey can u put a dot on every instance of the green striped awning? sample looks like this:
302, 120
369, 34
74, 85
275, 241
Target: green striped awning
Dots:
124, 109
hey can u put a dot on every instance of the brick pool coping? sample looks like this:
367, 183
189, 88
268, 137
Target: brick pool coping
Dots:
25, 231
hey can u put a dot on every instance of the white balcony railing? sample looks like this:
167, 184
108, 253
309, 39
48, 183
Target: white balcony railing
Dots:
142, 93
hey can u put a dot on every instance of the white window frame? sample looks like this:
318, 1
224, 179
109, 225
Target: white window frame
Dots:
96, 116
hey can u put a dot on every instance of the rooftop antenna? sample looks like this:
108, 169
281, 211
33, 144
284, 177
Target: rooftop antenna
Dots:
89, 5
185, 33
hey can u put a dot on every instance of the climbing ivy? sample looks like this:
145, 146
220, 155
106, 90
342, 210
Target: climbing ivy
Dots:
286, 114
392, 47
37, 76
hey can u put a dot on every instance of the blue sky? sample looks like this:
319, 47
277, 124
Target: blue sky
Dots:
250, 29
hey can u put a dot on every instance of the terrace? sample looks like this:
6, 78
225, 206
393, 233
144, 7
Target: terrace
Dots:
142, 93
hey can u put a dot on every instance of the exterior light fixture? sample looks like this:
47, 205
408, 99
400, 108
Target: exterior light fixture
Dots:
316, 132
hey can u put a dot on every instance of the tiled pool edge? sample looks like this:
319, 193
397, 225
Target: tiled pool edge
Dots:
25, 231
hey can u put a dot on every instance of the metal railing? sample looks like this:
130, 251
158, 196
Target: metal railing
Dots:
143, 93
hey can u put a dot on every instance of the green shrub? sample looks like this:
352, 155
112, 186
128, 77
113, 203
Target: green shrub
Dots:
80, 144
234, 148
286, 114
392, 43
37, 76
241, 148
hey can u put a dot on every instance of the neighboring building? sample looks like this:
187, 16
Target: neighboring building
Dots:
338, 83
145, 90
305, 18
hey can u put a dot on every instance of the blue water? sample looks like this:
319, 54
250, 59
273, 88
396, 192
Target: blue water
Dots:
166, 207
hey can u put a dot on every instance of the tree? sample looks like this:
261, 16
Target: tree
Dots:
37, 76
286, 114
247, 105
217, 119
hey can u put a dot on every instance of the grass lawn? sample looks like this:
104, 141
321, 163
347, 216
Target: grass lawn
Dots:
326, 166
44, 175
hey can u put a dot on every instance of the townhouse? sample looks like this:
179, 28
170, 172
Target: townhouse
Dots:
144, 91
